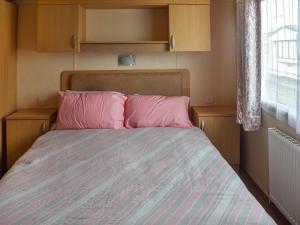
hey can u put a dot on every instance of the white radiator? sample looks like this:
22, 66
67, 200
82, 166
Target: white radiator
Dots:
284, 174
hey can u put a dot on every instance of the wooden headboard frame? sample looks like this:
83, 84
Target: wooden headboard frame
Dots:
156, 82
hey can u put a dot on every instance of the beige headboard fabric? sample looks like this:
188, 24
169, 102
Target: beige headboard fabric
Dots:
146, 82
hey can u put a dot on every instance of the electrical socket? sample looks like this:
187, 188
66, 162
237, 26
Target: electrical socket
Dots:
41, 101
210, 100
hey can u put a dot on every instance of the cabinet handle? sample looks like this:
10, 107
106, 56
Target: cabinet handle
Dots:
73, 41
173, 41
44, 127
202, 125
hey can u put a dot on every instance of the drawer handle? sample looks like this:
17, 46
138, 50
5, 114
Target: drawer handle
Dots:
202, 125
173, 41
73, 41
44, 127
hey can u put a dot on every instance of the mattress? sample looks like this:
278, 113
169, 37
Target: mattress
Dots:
135, 176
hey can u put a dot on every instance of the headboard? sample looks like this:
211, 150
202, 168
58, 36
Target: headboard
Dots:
147, 82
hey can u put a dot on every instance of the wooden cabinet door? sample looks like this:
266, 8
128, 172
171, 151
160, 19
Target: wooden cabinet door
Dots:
20, 136
58, 28
224, 133
189, 27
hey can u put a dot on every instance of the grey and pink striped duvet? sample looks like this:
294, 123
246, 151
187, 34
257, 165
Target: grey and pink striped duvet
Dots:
136, 176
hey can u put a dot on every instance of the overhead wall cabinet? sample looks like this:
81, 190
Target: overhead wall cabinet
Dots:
59, 28
119, 25
120, 3
189, 27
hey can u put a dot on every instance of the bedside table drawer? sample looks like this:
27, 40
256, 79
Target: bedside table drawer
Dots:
21, 134
218, 122
224, 133
23, 128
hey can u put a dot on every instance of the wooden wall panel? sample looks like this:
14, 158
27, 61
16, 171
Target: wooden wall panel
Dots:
8, 60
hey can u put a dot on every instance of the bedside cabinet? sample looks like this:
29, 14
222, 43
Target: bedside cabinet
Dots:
23, 128
219, 124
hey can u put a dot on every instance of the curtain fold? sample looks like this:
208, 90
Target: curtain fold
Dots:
249, 64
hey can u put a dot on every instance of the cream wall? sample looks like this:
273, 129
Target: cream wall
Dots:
212, 73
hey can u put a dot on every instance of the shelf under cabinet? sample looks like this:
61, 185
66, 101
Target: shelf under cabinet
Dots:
128, 42
130, 46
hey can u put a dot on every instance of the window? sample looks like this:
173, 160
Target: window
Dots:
279, 58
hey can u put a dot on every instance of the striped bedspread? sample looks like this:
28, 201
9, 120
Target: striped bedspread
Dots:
138, 176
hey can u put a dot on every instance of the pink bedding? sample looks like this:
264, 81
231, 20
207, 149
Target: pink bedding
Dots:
137, 176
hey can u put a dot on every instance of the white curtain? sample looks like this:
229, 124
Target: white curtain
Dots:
280, 70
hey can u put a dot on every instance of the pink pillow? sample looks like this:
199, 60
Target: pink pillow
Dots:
90, 111
157, 111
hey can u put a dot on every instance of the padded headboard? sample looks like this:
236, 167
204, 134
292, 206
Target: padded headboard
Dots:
146, 82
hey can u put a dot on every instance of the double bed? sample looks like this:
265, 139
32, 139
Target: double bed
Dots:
128, 176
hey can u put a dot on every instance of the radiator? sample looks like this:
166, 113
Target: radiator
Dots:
284, 174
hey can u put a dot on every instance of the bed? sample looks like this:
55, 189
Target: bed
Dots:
127, 176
